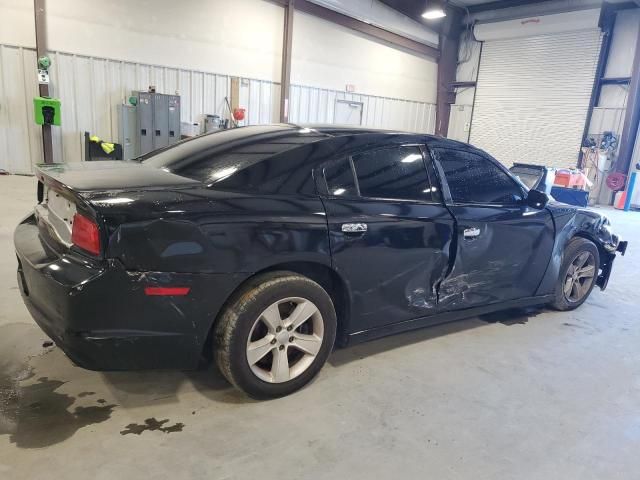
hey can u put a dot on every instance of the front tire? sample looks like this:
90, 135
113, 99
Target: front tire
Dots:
275, 334
578, 274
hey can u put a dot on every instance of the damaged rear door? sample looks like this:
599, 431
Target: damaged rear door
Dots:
502, 246
389, 231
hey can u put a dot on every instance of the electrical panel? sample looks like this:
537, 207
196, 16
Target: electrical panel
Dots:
160, 121
157, 121
174, 119
144, 123
128, 129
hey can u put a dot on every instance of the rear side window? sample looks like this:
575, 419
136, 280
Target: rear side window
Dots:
394, 173
475, 179
339, 177
263, 159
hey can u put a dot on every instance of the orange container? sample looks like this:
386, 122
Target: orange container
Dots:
562, 179
577, 180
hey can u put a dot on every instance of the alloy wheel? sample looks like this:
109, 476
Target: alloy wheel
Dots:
580, 277
285, 339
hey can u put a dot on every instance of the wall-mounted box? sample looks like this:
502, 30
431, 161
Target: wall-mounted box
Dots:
46, 111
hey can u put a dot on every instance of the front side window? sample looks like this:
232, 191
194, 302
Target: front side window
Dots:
475, 179
393, 173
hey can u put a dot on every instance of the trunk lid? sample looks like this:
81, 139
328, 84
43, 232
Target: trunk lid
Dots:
65, 189
110, 175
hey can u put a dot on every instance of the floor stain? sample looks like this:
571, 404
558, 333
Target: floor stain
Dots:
512, 316
36, 415
152, 425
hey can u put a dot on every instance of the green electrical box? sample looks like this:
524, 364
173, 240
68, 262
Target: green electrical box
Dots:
46, 110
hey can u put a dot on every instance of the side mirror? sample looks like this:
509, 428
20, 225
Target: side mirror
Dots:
537, 199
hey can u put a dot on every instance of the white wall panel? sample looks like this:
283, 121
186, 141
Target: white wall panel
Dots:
607, 119
243, 37
623, 44
329, 56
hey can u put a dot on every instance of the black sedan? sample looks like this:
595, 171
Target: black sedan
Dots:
262, 247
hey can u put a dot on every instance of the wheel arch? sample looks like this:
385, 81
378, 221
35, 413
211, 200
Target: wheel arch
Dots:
592, 238
325, 276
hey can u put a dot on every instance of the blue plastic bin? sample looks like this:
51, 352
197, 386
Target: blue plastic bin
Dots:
572, 196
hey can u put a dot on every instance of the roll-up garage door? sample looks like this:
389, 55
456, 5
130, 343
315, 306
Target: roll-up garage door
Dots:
532, 96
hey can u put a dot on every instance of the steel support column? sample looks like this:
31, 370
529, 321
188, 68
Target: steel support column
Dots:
607, 24
285, 77
447, 66
41, 51
631, 117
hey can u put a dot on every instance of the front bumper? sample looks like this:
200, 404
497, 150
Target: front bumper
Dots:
99, 315
603, 279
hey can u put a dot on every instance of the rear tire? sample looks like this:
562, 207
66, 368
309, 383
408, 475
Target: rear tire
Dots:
275, 334
578, 274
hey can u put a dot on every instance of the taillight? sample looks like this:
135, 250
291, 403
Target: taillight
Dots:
85, 234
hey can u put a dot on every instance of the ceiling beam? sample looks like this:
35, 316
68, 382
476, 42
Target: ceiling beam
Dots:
365, 28
504, 4
500, 4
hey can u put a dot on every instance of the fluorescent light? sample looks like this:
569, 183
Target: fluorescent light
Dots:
433, 14
339, 191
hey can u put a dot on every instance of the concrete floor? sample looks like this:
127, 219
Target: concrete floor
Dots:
526, 395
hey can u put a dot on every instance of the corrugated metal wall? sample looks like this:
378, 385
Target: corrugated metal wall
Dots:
90, 89
20, 137
316, 105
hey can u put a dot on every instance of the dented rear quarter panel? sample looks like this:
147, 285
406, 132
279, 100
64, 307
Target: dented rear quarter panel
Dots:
200, 230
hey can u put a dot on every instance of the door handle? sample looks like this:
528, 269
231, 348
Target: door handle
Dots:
471, 233
354, 227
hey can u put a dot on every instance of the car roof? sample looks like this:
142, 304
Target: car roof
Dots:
268, 157
312, 132
341, 130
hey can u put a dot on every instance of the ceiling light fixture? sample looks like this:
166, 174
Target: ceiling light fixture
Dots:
435, 10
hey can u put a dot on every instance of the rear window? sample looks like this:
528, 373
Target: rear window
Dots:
242, 159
